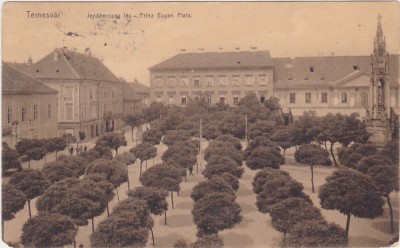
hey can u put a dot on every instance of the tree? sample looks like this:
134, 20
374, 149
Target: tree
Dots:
232, 180
82, 135
391, 150
351, 193
33, 183
265, 157
134, 121
31, 149
262, 128
164, 177
102, 183
76, 163
155, 199
48, 230
219, 165
315, 233
112, 140
126, 158
312, 154
387, 180
9, 158
232, 123
367, 162
97, 152
57, 171
152, 136
192, 127
211, 131
12, 201
230, 139
278, 189
210, 241
305, 129
144, 152
214, 184
289, 212
114, 171
221, 148
56, 144
175, 135
215, 212
259, 142
128, 225
69, 138
282, 138
350, 155
265, 175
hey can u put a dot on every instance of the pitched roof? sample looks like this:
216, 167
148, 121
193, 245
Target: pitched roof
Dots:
129, 94
66, 64
325, 70
212, 60
16, 82
138, 87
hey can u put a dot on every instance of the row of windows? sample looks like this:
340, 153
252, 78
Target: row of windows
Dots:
324, 97
222, 99
35, 113
210, 81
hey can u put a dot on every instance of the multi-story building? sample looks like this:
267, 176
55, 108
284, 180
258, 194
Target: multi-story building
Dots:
142, 91
90, 95
220, 77
132, 101
29, 108
323, 84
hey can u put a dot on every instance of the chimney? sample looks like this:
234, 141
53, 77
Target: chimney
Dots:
55, 56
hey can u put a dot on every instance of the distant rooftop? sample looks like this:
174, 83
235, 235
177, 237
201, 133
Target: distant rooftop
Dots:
212, 60
16, 82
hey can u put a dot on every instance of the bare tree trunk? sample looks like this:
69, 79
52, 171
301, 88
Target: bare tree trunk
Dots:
333, 155
391, 214
92, 225
146, 165
29, 207
284, 152
56, 154
129, 186
116, 189
165, 217
132, 133
172, 199
197, 167
312, 178
108, 211
153, 161
2, 228
140, 173
74, 242
152, 235
326, 148
347, 224
45, 159
29, 164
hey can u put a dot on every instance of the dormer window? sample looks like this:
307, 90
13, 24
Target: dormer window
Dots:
356, 67
311, 69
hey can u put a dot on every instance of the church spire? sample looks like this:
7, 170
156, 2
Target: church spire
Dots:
379, 42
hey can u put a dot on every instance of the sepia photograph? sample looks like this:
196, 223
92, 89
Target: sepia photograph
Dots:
200, 124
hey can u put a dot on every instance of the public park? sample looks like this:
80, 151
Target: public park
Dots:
205, 176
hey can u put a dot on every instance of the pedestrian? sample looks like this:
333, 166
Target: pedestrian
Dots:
190, 169
71, 150
78, 150
85, 148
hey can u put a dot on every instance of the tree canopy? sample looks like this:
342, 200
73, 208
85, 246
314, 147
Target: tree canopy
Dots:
164, 177
263, 157
214, 184
12, 201
155, 198
10, 158
112, 141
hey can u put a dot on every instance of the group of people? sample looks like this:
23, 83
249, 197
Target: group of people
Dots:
78, 149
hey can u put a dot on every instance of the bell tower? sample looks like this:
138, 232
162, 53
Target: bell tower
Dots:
380, 88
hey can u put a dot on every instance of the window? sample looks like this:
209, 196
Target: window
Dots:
343, 97
68, 93
184, 100
184, 82
23, 113
235, 100
292, 97
236, 81
324, 97
68, 112
222, 81
263, 79
364, 99
196, 82
249, 80
311, 69
209, 99
356, 67
171, 100
210, 81
171, 82
158, 82
158, 99
262, 98
35, 111
9, 114
222, 99
308, 97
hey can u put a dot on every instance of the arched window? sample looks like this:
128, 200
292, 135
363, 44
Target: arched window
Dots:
343, 97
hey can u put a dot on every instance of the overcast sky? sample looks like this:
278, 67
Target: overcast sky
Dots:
129, 46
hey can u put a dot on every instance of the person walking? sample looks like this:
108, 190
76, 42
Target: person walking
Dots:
85, 148
190, 170
71, 150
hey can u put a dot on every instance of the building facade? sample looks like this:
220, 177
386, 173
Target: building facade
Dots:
322, 84
29, 108
219, 77
90, 96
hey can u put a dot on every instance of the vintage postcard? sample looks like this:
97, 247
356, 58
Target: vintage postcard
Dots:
200, 124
